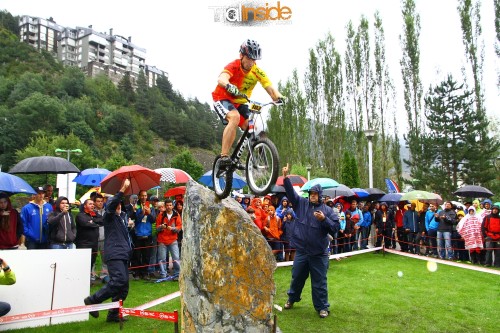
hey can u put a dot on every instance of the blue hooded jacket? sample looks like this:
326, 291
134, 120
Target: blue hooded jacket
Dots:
279, 210
310, 235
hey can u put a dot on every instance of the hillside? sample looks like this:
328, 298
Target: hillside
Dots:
45, 106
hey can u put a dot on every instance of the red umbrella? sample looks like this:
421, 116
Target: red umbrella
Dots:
175, 191
172, 175
296, 180
141, 178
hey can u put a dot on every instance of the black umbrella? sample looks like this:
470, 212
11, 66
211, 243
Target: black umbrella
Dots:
278, 189
473, 191
375, 194
44, 165
338, 191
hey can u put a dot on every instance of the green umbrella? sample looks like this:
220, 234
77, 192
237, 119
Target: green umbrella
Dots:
421, 196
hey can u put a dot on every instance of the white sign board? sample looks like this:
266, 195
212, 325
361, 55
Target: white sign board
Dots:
63, 180
60, 277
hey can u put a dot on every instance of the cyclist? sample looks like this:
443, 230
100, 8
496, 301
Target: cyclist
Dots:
237, 79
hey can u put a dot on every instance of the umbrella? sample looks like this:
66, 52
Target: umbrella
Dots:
339, 191
89, 192
172, 175
91, 177
420, 196
11, 184
473, 191
141, 178
238, 181
278, 189
324, 182
374, 193
44, 165
391, 197
175, 191
360, 193
295, 179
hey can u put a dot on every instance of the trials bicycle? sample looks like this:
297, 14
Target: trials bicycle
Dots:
262, 161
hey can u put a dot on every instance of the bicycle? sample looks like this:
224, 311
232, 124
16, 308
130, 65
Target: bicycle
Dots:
262, 163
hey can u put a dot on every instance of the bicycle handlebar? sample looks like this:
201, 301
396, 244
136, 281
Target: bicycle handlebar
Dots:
261, 105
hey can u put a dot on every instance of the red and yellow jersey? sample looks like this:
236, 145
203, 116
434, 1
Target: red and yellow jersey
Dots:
244, 81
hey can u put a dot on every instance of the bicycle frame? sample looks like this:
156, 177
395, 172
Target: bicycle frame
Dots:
243, 141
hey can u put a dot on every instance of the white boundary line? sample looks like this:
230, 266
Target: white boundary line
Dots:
446, 262
334, 256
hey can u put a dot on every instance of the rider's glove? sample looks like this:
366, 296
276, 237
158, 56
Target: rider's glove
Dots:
281, 100
232, 89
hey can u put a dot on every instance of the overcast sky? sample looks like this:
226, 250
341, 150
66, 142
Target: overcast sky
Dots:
183, 38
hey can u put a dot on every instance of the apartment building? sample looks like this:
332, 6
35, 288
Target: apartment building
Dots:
94, 52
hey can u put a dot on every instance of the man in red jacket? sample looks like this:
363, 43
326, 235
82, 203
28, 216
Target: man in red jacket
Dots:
168, 225
491, 232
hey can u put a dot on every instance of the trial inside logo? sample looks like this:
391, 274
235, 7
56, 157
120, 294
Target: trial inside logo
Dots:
252, 13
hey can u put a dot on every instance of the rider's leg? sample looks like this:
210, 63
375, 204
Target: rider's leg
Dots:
229, 134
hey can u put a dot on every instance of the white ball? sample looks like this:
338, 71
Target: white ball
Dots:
432, 266
400, 274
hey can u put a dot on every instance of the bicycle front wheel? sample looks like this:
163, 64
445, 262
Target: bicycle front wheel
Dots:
222, 179
262, 166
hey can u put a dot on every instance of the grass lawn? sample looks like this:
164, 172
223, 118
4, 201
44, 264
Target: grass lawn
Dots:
365, 293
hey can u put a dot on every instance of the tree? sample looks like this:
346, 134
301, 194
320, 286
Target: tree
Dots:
384, 93
185, 161
410, 71
9, 22
447, 108
126, 90
470, 20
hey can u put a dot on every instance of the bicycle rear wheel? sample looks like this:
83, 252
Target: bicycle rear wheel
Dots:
262, 166
222, 179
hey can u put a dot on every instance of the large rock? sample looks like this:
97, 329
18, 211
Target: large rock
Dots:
226, 280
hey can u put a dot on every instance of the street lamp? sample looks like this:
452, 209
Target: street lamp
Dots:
308, 168
68, 151
370, 133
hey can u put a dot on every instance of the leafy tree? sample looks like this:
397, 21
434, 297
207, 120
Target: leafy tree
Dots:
410, 71
185, 161
9, 22
142, 105
126, 90
73, 82
384, 93
470, 20
27, 84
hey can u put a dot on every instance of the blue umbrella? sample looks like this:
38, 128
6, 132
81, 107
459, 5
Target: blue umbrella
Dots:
324, 182
360, 192
91, 177
238, 181
391, 197
13, 184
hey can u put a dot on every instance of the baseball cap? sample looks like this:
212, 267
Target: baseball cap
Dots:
39, 189
153, 198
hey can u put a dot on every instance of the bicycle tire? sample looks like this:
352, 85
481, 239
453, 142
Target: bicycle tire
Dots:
222, 180
262, 166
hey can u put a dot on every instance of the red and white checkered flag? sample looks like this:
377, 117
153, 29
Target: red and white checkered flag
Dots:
172, 175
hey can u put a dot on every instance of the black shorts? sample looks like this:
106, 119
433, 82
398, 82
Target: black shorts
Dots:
223, 107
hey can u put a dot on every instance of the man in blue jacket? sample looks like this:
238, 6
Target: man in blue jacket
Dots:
315, 220
410, 224
35, 215
117, 252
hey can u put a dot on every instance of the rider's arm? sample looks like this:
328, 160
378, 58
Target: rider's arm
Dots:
273, 92
223, 79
